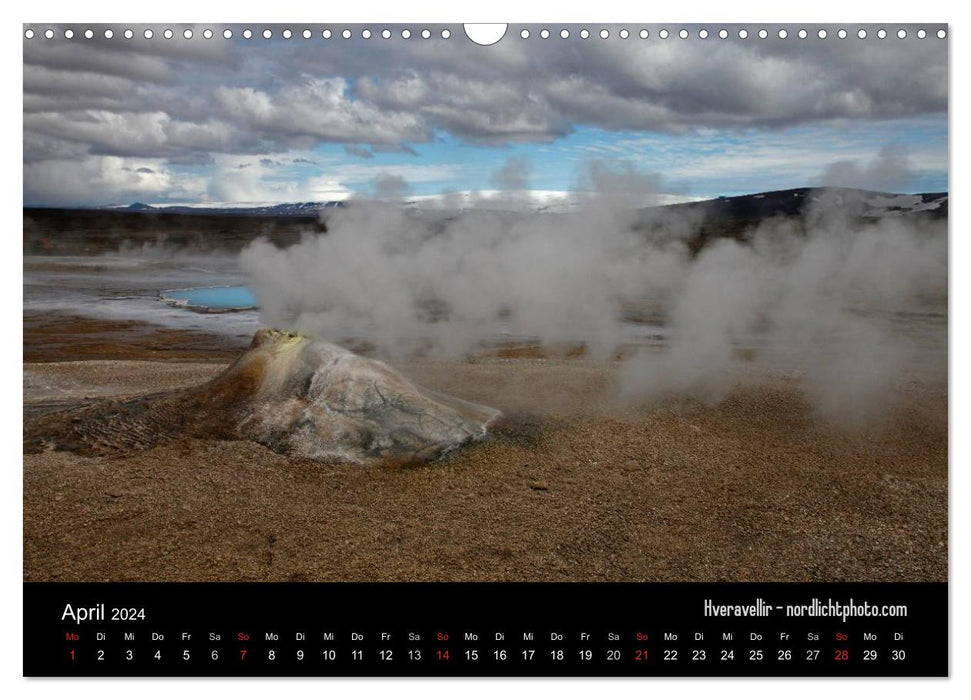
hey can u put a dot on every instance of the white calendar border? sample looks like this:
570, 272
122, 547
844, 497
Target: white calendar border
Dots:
606, 11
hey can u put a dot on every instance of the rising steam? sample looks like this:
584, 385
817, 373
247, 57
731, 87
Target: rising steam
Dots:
839, 303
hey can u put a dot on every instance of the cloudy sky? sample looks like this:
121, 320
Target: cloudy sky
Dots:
113, 121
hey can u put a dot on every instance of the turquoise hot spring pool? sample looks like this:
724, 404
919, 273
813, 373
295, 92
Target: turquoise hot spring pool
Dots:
211, 299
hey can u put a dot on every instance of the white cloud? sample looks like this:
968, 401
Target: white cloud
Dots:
103, 179
320, 108
129, 133
258, 179
194, 102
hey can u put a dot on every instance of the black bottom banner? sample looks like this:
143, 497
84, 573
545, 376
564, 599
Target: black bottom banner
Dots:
485, 629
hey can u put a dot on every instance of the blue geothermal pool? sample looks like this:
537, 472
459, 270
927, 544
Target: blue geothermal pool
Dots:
210, 299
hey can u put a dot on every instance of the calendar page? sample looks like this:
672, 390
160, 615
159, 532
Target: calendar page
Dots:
485, 350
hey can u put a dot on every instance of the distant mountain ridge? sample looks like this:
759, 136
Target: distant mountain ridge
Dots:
791, 202
795, 202
299, 209
738, 217
52, 231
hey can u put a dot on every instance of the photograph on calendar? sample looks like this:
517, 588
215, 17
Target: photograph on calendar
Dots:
378, 303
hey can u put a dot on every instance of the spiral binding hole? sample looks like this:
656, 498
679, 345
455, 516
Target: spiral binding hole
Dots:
564, 33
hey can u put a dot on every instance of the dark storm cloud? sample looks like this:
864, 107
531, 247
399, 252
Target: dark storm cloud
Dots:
177, 99
150, 61
124, 133
539, 90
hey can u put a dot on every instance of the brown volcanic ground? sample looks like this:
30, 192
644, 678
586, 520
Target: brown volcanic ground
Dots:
51, 337
567, 487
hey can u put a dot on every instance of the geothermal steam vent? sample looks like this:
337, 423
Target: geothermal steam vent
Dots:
294, 394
